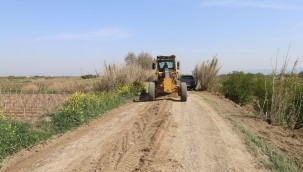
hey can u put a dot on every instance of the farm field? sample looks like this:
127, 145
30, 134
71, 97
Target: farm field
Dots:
45, 85
30, 107
30, 99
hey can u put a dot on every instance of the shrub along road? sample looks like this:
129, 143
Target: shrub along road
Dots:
164, 135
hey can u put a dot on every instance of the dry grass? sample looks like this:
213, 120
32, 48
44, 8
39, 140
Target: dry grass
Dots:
206, 74
30, 88
64, 85
115, 74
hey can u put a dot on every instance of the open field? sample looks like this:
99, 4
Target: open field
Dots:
45, 85
30, 107
30, 98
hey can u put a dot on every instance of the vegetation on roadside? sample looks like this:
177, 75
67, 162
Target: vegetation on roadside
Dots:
239, 87
135, 69
80, 108
277, 97
16, 135
206, 73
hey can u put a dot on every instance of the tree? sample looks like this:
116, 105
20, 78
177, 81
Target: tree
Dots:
145, 60
131, 58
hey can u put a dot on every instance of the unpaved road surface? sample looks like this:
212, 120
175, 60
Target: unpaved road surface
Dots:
164, 135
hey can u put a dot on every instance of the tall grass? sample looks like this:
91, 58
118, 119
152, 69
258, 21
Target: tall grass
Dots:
278, 97
206, 74
114, 75
286, 99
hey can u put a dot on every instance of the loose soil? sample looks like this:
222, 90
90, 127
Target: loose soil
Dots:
163, 135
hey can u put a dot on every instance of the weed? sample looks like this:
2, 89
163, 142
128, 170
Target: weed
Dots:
277, 160
15, 135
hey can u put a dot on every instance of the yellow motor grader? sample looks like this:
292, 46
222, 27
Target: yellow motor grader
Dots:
167, 78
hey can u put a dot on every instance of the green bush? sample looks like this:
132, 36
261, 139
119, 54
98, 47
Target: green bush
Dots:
89, 76
263, 92
238, 87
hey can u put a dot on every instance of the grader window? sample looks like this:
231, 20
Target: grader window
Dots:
162, 65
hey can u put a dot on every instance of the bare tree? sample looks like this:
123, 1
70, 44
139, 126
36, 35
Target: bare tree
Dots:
131, 58
145, 60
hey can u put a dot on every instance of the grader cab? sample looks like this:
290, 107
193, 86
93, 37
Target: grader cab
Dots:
167, 75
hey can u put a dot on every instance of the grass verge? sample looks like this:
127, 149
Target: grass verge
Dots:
274, 159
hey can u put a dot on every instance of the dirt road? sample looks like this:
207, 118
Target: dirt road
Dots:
164, 135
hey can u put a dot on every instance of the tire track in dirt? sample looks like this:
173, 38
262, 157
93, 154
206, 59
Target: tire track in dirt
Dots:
206, 142
80, 149
127, 139
135, 149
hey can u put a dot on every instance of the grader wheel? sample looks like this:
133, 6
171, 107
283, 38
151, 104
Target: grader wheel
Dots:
183, 91
151, 91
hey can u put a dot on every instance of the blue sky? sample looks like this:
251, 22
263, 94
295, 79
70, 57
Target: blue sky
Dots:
63, 37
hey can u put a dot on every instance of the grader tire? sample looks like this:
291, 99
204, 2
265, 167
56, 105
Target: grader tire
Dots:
183, 91
151, 91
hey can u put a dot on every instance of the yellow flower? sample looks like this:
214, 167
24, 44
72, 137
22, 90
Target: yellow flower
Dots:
2, 115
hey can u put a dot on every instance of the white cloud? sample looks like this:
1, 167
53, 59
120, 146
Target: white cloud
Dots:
252, 4
98, 35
